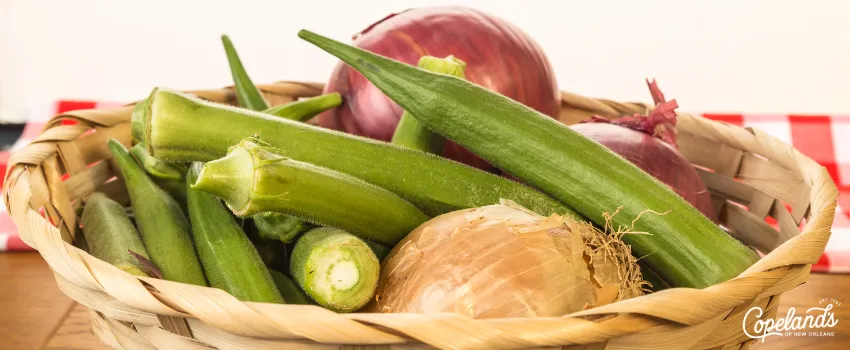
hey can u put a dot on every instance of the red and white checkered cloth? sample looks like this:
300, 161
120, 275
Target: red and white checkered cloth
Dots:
38, 116
824, 138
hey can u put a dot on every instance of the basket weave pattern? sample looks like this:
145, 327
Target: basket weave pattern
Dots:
751, 176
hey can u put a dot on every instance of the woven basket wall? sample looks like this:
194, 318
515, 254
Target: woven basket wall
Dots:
750, 174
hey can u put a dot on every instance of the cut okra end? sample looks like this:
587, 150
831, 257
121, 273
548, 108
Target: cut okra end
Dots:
254, 177
449, 65
336, 269
336, 278
235, 177
230, 178
137, 120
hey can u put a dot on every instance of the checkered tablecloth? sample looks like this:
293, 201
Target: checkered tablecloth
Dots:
36, 119
824, 138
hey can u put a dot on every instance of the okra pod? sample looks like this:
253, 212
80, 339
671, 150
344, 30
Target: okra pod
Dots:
169, 176
164, 229
656, 282
292, 293
110, 235
335, 268
306, 109
251, 97
181, 127
682, 245
254, 177
155, 167
275, 254
281, 227
137, 120
230, 261
380, 250
246, 92
270, 225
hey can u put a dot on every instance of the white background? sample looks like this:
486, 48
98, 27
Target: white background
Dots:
720, 56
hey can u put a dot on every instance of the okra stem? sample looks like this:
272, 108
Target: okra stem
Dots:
256, 178
168, 176
155, 167
181, 128
270, 225
410, 132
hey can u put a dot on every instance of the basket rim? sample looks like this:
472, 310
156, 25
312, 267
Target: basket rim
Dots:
88, 279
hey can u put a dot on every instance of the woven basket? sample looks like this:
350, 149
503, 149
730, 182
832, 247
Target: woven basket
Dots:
751, 176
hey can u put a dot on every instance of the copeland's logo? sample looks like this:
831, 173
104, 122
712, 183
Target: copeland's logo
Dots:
816, 322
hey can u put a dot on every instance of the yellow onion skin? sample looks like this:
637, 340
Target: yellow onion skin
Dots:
499, 56
504, 261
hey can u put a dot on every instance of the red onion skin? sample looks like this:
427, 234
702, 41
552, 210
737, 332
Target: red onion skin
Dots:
498, 56
656, 157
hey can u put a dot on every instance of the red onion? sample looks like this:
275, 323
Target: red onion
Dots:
499, 56
650, 143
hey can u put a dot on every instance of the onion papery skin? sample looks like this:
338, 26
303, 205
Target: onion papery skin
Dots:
502, 261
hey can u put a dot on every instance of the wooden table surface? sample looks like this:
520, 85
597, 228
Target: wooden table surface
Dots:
34, 314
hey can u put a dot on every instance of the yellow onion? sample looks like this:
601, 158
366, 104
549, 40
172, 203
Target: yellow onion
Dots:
505, 261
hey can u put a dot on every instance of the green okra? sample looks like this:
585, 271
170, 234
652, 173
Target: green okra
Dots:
410, 132
281, 227
335, 268
155, 167
292, 293
180, 127
137, 120
169, 176
275, 254
109, 234
682, 245
270, 251
380, 250
656, 282
164, 229
306, 109
230, 261
79, 236
246, 92
251, 97
270, 224
80, 239
254, 177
